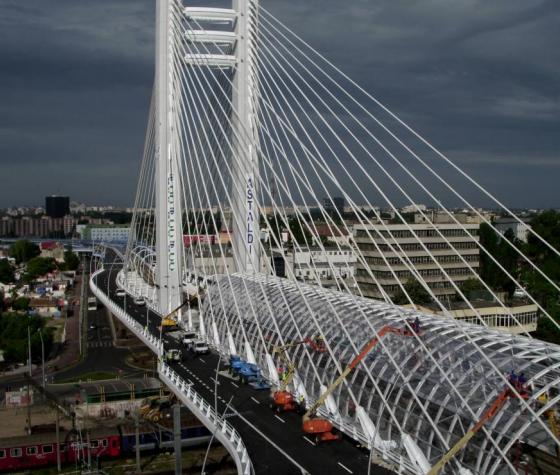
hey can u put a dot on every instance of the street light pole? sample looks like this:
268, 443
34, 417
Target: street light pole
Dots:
42, 357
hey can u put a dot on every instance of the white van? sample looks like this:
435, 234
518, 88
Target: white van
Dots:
200, 347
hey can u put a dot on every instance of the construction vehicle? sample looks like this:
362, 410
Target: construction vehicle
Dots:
248, 373
282, 399
153, 408
169, 322
550, 415
322, 429
519, 384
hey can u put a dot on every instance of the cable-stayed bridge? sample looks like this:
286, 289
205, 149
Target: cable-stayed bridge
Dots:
252, 136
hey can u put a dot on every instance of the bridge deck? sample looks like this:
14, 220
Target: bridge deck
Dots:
275, 443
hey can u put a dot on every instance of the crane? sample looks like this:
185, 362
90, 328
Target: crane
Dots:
496, 406
322, 428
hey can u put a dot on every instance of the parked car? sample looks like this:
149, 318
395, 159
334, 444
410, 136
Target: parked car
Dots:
139, 301
121, 293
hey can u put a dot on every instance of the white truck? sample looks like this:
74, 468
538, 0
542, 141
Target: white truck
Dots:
189, 338
200, 348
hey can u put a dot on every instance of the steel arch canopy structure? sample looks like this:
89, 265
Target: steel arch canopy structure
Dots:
399, 385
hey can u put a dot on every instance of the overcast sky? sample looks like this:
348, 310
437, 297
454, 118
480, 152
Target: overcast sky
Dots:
479, 78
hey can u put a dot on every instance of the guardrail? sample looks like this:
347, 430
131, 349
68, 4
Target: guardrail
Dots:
141, 332
222, 430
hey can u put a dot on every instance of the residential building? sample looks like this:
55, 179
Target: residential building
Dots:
520, 229
330, 263
45, 307
413, 208
52, 249
334, 205
384, 248
32, 226
105, 233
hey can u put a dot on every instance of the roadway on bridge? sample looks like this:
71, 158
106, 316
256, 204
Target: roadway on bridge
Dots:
275, 443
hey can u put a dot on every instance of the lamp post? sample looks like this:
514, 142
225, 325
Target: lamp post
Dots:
42, 357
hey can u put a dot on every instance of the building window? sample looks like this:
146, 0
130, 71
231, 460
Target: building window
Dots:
31, 450
15, 452
48, 449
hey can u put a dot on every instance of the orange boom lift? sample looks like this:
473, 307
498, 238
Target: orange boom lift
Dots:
322, 428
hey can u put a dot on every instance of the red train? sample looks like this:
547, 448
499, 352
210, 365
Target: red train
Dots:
39, 450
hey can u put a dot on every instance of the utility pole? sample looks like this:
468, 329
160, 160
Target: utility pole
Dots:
42, 357
58, 464
177, 442
137, 442
28, 382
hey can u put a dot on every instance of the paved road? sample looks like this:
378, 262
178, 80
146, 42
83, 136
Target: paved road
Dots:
101, 355
275, 443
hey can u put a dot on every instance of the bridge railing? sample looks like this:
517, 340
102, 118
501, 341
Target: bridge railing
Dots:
222, 430
219, 426
141, 332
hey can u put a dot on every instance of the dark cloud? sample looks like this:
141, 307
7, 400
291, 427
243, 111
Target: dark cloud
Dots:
479, 79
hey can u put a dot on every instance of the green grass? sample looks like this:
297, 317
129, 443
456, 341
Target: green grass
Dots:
93, 376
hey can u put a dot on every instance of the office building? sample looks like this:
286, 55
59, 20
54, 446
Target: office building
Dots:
57, 206
385, 246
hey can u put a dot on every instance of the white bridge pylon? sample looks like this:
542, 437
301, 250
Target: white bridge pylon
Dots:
254, 140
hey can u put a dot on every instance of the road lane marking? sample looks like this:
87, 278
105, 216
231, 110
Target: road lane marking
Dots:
255, 400
345, 468
310, 441
202, 360
258, 431
280, 419
234, 384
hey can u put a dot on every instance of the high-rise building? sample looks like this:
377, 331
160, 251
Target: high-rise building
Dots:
385, 247
57, 206
334, 203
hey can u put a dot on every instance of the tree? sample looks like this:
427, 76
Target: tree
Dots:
21, 304
547, 225
502, 252
38, 266
6, 272
470, 286
13, 337
24, 250
300, 232
71, 260
418, 294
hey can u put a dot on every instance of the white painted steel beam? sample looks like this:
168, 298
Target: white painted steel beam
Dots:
204, 36
212, 60
222, 15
